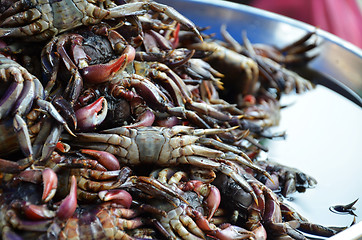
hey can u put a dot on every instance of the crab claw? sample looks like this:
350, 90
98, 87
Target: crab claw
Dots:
213, 201
229, 231
175, 34
212, 197
50, 181
101, 72
146, 119
118, 196
107, 159
69, 204
38, 212
88, 117
30, 175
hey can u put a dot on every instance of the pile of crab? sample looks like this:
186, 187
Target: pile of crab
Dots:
122, 120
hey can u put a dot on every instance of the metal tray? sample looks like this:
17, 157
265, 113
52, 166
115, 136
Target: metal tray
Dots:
339, 62
324, 129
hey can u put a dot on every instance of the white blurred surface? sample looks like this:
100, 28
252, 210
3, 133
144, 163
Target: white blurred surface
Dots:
324, 139
352, 233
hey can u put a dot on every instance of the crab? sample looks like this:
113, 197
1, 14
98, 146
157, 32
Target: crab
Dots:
35, 20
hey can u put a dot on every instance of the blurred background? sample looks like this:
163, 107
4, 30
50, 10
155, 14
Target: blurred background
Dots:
340, 17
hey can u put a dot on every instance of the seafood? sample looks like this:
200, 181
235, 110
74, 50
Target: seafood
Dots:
109, 220
191, 221
122, 88
225, 58
79, 65
286, 179
169, 146
48, 19
22, 91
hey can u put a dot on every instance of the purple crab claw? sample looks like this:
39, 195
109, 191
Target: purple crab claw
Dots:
146, 119
90, 116
118, 196
69, 204
50, 181
30, 175
107, 159
101, 72
38, 212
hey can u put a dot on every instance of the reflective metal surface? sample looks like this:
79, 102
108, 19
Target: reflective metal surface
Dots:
324, 129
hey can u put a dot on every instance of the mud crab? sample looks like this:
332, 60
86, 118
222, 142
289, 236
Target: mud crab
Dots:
170, 146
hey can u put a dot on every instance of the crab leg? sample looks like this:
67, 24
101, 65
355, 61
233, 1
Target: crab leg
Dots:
21, 18
14, 167
43, 133
242, 161
51, 142
182, 96
27, 30
96, 186
15, 8
25, 100
139, 8
157, 100
152, 186
12, 94
223, 147
27, 225
66, 110
21, 129
47, 106
97, 174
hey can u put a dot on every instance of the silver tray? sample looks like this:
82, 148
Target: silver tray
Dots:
324, 129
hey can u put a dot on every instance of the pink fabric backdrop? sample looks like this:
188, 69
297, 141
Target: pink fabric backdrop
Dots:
340, 17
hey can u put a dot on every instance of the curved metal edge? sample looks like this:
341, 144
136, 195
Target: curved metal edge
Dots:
277, 17
340, 88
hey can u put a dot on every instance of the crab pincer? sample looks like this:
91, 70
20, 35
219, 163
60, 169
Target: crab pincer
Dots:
211, 194
99, 73
69, 204
117, 196
50, 181
92, 115
37, 212
107, 159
